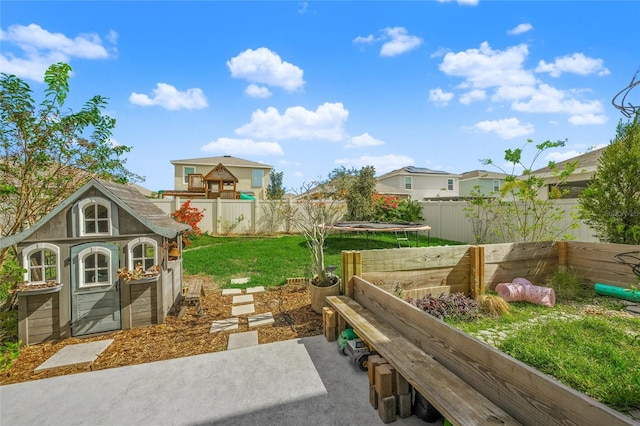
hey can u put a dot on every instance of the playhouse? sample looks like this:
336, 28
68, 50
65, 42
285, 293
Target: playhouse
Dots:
74, 258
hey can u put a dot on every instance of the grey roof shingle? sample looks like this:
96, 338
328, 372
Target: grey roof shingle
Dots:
125, 197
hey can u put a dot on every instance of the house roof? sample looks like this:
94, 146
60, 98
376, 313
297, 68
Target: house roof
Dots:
412, 170
587, 161
485, 174
226, 160
220, 172
125, 197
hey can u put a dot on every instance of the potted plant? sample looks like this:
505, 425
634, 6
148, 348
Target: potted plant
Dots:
314, 213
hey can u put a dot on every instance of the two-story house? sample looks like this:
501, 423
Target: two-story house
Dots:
219, 177
422, 183
578, 180
487, 182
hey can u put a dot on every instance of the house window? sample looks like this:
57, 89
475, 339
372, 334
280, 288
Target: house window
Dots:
408, 182
186, 171
143, 251
95, 267
496, 185
41, 263
95, 216
449, 184
256, 178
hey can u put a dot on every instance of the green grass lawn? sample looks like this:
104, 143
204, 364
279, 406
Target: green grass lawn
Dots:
270, 260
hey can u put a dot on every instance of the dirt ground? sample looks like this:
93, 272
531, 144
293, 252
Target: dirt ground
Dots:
180, 337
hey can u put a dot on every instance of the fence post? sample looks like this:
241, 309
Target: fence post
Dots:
562, 255
476, 271
218, 223
254, 219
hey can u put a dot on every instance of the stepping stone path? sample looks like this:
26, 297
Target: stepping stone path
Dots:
242, 304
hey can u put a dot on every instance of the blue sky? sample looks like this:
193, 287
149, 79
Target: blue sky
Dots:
310, 86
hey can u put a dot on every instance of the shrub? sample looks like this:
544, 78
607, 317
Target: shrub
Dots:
448, 306
191, 216
390, 208
567, 286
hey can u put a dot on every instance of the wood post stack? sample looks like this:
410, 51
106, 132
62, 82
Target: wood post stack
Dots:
329, 323
389, 392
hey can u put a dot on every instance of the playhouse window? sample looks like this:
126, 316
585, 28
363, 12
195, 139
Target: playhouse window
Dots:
95, 217
94, 268
41, 263
143, 251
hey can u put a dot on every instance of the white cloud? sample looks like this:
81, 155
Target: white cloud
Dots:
256, 91
485, 67
303, 7
41, 48
462, 2
587, 119
550, 99
472, 96
439, 97
326, 122
507, 128
520, 29
382, 164
400, 42
577, 63
513, 93
168, 97
265, 67
243, 147
364, 40
363, 140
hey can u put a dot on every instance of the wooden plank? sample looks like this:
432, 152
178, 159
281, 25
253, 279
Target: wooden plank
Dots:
601, 252
528, 395
447, 289
536, 271
407, 280
414, 258
511, 252
43, 322
453, 398
41, 313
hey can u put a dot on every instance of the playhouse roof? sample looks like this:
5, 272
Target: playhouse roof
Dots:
126, 197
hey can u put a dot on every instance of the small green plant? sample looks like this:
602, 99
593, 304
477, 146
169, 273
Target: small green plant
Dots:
448, 306
567, 286
9, 352
229, 226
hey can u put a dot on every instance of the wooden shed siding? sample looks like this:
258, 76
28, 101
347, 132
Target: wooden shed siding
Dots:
38, 317
144, 302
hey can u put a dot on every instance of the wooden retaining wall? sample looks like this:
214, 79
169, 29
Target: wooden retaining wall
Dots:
526, 394
414, 272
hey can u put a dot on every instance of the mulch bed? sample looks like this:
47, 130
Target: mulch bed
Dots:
180, 337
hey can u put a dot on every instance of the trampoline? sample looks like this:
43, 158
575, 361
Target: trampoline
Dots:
370, 227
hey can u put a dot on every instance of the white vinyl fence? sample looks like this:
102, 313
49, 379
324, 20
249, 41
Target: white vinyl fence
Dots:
446, 218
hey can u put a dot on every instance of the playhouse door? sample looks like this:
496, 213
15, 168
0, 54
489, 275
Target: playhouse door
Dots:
95, 296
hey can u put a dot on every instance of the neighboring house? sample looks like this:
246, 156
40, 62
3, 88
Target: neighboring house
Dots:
578, 181
219, 177
422, 183
72, 257
487, 182
383, 189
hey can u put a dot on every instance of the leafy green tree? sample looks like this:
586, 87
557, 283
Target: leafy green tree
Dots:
611, 202
525, 214
359, 197
48, 152
275, 190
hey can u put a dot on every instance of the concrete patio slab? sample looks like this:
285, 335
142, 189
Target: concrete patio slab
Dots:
242, 310
230, 291
245, 298
258, 289
81, 353
224, 325
243, 280
301, 381
261, 319
242, 340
